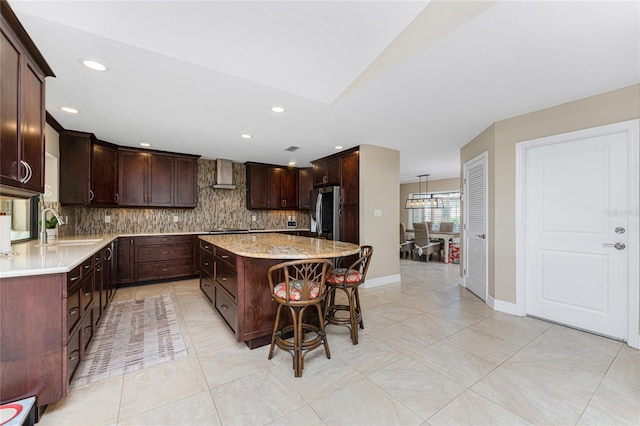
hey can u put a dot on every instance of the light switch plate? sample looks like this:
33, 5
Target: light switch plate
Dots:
377, 212
107, 218
175, 218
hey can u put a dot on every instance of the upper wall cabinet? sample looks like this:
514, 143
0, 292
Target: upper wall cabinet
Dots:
305, 186
271, 187
22, 112
151, 179
100, 174
75, 167
326, 172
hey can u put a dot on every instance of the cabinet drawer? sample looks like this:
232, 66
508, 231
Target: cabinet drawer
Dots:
73, 354
162, 239
207, 286
206, 246
161, 270
87, 266
164, 252
226, 256
206, 262
73, 309
86, 292
226, 307
86, 331
227, 278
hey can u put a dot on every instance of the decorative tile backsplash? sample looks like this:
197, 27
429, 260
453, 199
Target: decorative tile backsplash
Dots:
216, 208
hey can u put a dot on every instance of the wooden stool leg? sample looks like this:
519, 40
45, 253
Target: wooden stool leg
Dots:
322, 331
358, 308
275, 330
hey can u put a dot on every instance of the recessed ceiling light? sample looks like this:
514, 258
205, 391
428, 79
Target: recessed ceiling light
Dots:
70, 110
94, 65
338, 147
277, 109
292, 163
145, 144
245, 136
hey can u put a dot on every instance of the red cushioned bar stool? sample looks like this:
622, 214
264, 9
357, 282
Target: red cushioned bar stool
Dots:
298, 285
348, 280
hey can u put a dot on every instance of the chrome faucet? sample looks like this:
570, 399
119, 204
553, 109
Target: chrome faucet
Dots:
43, 232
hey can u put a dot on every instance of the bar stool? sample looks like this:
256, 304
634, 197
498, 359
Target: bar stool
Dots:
348, 280
298, 285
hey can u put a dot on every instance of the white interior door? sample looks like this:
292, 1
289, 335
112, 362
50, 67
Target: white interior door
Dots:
475, 226
577, 213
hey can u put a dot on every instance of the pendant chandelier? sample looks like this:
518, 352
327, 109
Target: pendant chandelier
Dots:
424, 200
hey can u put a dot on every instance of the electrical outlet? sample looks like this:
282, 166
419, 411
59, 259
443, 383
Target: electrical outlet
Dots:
175, 218
107, 218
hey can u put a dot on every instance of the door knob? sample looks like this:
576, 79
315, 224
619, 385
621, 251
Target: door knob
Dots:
481, 236
619, 230
617, 246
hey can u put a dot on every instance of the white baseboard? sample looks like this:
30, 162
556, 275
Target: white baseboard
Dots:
501, 306
376, 282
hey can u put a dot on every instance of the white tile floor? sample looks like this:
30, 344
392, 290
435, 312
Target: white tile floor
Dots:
431, 353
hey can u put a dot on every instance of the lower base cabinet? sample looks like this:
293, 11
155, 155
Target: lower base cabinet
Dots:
46, 325
239, 290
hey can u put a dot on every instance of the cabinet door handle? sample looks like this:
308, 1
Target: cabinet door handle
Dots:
164, 252
206, 263
87, 330
223, 278
72, 279
98, 269
74, 355
224, 307
28, 172
206, 285
110, 254
117, 198
165, 270
224, 256
87, 294
91, 195
74, 311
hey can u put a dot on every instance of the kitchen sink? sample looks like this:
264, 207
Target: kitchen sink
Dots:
71, 242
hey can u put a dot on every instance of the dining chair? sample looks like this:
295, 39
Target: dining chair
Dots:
423, 246
405, 245
348, 280
446, 226
297, 285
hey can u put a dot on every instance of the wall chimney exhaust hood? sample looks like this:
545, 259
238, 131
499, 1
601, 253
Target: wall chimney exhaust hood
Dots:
224, 174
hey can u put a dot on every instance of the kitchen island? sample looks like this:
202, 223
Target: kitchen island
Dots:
233, 275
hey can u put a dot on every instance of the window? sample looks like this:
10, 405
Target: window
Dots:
450, 212
24, 220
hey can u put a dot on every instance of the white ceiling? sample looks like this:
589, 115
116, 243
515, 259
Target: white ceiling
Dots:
420, 77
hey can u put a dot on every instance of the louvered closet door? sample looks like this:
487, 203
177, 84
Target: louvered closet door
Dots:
475, 227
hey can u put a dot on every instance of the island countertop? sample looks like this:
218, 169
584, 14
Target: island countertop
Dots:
281, 246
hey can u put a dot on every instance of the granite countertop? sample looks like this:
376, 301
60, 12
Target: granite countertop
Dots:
61, 256
281, 246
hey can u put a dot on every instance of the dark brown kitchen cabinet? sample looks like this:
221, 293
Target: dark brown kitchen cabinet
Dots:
22, 113
145, 179
125, 258
271, 187
305, 186
75, 167
256, 186
186, 175
104, 174
282, 188
88, 170
343, 170
207, 269
152, 179
162, 257
326, 172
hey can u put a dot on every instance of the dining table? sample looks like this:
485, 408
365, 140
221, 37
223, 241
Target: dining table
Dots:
446, 236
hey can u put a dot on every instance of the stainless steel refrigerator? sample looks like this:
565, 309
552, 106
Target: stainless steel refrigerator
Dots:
325, 212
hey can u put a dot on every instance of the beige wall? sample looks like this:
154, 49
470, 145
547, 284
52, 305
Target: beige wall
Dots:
500, 140
52, 153
379, 190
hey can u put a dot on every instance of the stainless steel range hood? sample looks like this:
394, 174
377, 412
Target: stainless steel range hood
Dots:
224, 174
